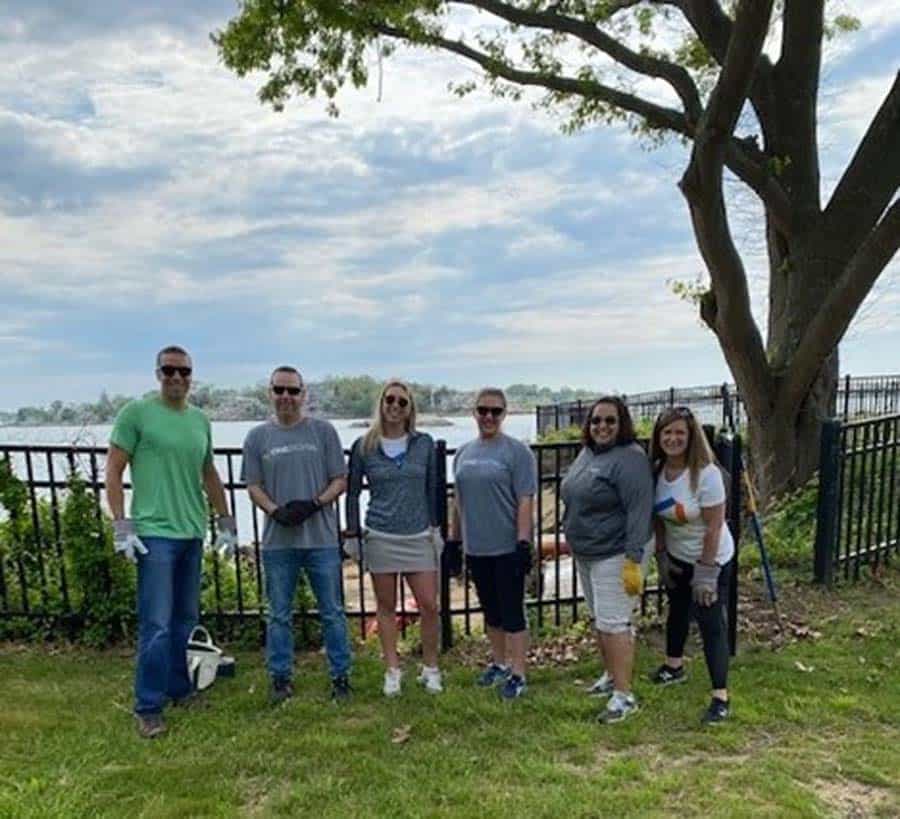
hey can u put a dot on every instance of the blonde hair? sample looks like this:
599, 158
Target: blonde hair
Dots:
699, 453
376, 430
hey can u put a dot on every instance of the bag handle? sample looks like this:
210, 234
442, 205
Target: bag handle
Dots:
201, 635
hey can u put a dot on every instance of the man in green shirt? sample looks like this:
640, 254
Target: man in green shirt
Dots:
168, 446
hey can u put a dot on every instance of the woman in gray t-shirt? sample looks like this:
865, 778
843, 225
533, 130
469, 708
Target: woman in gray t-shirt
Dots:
400, 535
496, 482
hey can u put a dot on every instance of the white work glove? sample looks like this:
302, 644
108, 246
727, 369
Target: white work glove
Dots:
126, 541
226, 536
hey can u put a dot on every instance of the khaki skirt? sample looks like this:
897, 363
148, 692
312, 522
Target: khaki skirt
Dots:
383, 552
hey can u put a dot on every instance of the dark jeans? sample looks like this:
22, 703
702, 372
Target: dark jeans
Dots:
500, 583
168, 608
712, 620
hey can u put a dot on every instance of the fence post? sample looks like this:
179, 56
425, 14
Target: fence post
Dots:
440, 454
829, 498
671, 396
846, 396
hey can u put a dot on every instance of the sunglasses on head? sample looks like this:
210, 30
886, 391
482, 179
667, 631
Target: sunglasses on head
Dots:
390, 399
494, 412
682, 412
288, 390
609, 420
168, 371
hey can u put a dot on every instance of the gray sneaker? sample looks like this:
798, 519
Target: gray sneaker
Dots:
150, 726
603, 686
619, 707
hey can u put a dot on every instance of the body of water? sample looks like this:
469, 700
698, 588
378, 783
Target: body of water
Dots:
227, 434
232, 433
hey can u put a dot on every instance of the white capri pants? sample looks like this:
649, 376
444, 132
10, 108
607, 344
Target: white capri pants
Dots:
601, 580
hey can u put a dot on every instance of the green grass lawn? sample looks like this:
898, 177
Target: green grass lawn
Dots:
815, 732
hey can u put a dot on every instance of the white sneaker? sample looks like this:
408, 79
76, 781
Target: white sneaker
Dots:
603, 687
392, 678
619, 707
431, 679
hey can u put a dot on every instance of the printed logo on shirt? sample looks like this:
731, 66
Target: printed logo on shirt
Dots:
671, 509
490, 463
287, 449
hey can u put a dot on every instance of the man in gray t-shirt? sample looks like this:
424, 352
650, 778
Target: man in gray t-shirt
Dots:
491, 477
294, 470
293, 463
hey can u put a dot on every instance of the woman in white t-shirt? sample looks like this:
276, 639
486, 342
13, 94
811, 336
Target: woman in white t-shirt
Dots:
694, 550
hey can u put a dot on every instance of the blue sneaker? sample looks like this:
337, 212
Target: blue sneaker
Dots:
492, 675
513, 687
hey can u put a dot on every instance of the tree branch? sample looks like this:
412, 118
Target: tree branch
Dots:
842, 302
677, 77
713, 26
872, 177
750, 165
735, 326
797, 91
659, 116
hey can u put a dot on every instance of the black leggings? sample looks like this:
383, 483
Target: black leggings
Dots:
712, 620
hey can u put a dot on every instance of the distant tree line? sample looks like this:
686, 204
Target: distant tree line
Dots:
333, 397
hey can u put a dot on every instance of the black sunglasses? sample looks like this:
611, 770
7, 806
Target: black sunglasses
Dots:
610, 420
494, 412
403, 402
168, 371
288, 390
682, 412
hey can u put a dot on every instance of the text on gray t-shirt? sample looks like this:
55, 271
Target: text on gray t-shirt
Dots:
295, 463
491, 477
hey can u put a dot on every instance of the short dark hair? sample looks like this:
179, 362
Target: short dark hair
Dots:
286, 368
172, 348
625, 434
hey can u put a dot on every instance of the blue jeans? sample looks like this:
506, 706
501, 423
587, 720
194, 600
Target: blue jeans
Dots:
323, 570
168, 608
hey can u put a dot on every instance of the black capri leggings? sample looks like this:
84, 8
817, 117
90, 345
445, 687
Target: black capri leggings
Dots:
500, 583
712, 620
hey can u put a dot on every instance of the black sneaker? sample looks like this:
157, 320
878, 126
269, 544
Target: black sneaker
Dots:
282, 689
340, 689
716, 713
666, 675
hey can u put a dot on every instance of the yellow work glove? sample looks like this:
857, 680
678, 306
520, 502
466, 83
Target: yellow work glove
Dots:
631, 577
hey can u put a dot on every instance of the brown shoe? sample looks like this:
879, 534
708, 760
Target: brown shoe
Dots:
150, 726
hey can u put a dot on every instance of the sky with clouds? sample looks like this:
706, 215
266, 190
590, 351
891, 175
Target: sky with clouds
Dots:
146, 198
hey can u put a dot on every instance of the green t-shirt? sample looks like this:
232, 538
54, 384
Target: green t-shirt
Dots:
167, 449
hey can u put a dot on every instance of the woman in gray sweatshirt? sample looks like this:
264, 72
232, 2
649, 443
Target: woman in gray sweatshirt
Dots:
608, 492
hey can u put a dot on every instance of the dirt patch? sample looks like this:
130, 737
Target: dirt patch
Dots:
850, 799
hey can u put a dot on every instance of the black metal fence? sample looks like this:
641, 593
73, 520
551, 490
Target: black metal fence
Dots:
856, 397
858, 516
36, 558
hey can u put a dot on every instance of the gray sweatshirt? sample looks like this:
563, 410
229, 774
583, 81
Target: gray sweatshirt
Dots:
609, 502
402, 496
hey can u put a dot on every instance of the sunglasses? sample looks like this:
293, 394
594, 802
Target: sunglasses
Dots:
609, 420
390, 399
494, 412
682, 412
288, 390
168, 371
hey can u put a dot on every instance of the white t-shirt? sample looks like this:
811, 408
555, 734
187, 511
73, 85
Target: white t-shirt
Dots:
679, 509
394, 447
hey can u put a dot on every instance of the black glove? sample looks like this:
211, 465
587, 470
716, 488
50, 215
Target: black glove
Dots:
453, 558
294, 512
526, 556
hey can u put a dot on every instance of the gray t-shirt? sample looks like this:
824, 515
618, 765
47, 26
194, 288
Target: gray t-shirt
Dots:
295, 463
491, 477
609, 502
